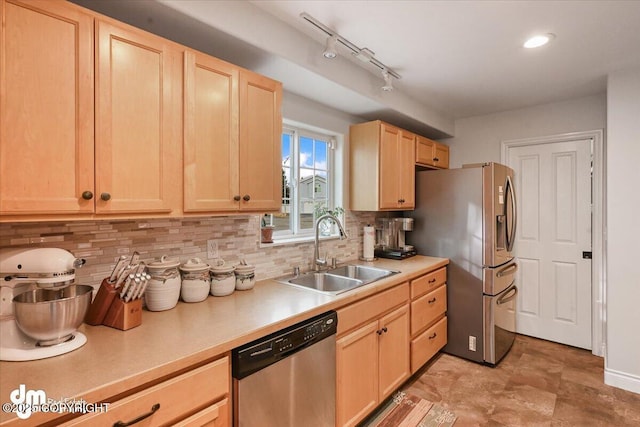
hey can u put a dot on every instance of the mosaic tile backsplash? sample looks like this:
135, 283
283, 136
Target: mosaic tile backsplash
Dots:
102, 242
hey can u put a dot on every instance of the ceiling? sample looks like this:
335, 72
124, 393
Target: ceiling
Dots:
456, 58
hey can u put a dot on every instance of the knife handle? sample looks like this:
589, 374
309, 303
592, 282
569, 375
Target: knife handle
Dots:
101, 303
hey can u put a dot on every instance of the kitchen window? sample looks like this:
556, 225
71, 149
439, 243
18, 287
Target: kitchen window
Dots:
308, 183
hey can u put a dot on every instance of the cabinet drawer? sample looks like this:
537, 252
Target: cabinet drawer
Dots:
427, 344
176, 397
365, 310
428, 282
428, 308
216, 415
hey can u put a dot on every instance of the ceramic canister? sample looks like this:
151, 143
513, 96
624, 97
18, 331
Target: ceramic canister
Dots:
245, 277
163, 290
195, 280
223, 280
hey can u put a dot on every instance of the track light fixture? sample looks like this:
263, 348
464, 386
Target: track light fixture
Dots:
363, 54
388, 84
330, 51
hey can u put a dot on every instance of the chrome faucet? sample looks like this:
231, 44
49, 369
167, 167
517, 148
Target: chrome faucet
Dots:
317, 261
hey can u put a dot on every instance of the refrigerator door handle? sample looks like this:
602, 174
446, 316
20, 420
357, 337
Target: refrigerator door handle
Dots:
511, 231
507, 270
508, 296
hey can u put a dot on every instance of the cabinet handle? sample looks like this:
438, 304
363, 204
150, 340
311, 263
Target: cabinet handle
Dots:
105, 196
246, 197
432, 280
236, 197
435, 159
433, 336
384, 329
87, 195
431, 301
153, 410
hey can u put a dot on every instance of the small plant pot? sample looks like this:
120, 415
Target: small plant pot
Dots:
266, 234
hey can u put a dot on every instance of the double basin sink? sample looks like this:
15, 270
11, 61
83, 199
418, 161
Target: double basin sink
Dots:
338, 280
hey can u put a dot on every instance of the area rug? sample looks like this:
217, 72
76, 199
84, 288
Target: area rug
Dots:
407, 410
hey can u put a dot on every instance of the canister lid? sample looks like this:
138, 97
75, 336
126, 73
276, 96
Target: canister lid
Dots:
163, 263
220, 267
194, 264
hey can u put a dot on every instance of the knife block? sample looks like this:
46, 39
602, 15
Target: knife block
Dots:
101, 303
124, 315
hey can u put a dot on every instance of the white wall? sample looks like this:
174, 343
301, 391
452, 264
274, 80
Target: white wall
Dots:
622, 367
478, 139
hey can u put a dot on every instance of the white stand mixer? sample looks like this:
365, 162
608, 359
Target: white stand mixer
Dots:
20, 271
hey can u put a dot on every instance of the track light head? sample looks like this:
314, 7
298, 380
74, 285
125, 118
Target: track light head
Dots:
330, 51
388, 84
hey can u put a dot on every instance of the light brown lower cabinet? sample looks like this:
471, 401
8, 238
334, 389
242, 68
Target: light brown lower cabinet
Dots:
372, 360
428, 317
199, 397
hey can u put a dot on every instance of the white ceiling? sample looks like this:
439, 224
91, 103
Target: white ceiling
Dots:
466, 57
456, 58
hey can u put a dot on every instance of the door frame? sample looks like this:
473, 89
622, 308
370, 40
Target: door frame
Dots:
598, 248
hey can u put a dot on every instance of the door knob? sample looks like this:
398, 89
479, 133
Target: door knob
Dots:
87, 195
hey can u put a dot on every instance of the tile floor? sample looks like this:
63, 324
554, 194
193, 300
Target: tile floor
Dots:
539, 383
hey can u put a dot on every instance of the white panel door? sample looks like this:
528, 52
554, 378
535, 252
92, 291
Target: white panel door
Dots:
553, 188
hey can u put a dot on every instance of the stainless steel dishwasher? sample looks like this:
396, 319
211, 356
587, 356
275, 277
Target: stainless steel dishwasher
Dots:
288, 378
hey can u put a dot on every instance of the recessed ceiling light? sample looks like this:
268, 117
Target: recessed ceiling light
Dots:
539, 40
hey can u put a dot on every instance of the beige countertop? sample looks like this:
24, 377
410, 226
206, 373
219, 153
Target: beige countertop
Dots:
113, 361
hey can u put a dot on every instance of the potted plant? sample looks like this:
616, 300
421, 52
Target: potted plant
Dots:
266, 230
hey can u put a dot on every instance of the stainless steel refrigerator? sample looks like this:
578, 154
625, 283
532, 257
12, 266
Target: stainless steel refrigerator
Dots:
469, 216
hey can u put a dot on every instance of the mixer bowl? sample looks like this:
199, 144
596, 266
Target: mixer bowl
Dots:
50, 316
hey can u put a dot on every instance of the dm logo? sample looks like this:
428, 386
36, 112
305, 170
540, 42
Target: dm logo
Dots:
26, 400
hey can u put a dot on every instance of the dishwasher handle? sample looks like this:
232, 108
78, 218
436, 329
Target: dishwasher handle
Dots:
272, 348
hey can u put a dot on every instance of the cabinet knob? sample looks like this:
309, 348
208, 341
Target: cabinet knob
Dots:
379, 332
105, 196
87, 195
433, 336
384, 329
431, 301
246, 197
236, 197
435, 159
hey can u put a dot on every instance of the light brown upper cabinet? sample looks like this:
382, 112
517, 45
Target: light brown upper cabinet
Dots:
138, 123
431, 154
65, 153
260, 143
46, 109
232, 133
382, 167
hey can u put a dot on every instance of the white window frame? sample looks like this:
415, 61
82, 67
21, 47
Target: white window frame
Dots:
295, 233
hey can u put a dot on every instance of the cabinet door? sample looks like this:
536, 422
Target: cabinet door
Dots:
137, 121
389, 167
425, 151
260, 143
210, 134
394, 351
46, 108
441, 156
356, 374
407, 172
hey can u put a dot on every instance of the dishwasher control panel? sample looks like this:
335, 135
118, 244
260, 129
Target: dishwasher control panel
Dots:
264, 351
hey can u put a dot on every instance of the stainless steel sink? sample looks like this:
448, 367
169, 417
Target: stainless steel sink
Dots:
338, 280
362, 272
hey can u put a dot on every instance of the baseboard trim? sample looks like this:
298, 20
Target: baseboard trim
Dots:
622, 380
